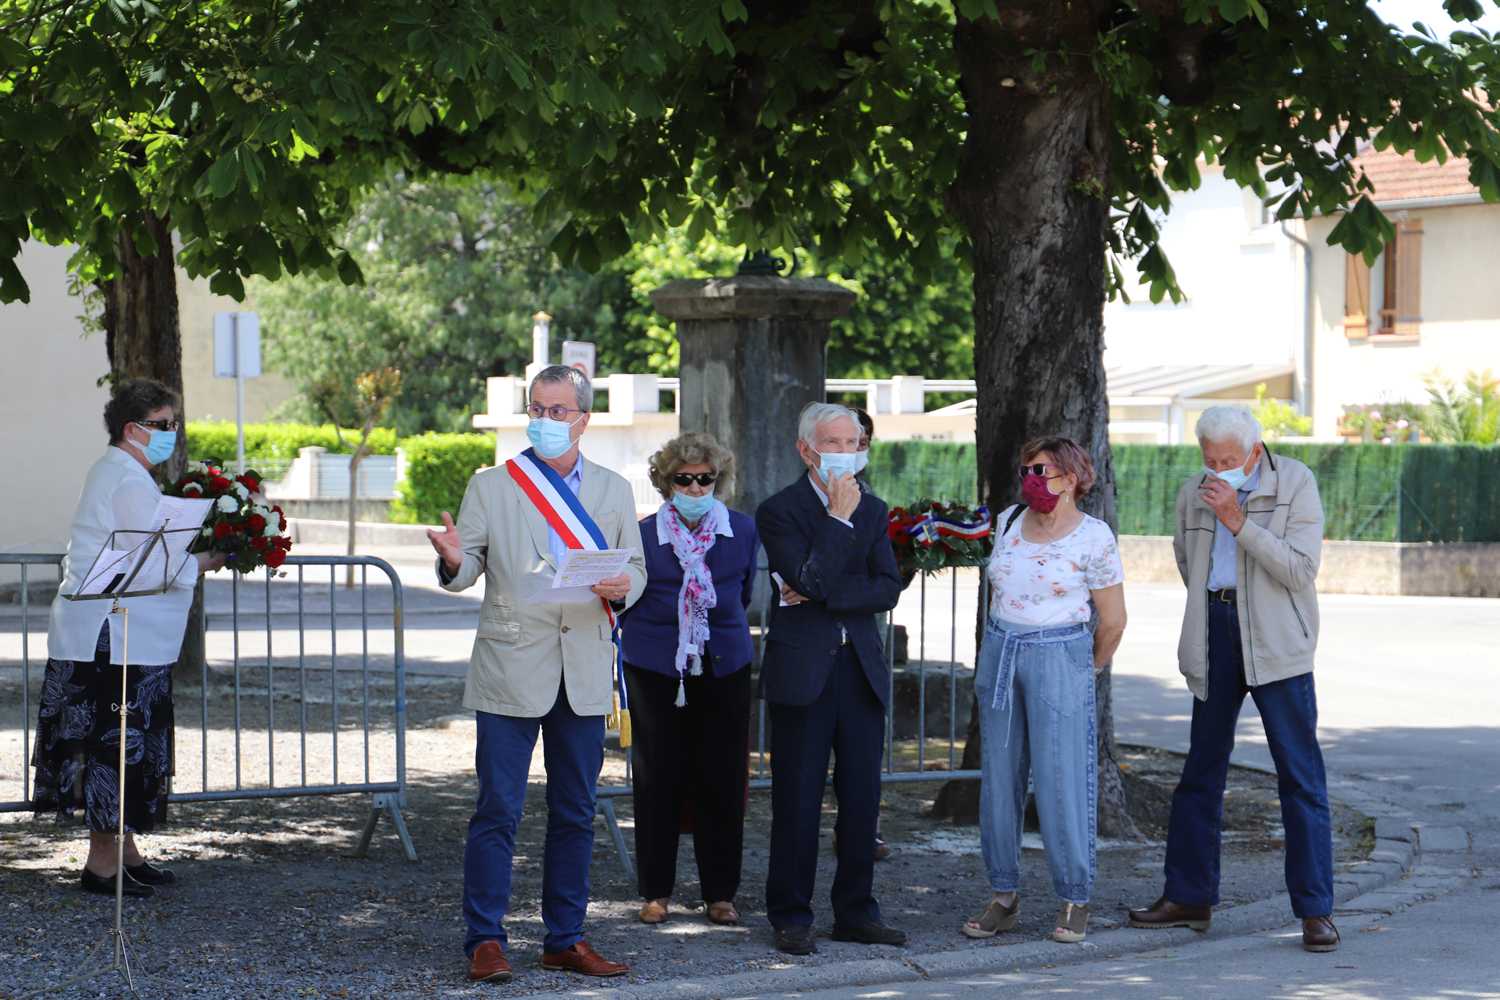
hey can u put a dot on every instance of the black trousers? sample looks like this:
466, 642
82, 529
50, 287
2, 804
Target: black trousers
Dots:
847, 719
704, 745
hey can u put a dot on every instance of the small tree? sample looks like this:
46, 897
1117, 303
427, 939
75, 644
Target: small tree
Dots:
1469, 414
1279, 419
363, 406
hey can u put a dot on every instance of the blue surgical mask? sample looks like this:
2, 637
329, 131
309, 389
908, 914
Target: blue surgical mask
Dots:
549, 437
159, 448
833, 464
1236, 477
692, 508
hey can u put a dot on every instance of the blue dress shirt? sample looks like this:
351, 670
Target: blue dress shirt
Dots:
1221, 571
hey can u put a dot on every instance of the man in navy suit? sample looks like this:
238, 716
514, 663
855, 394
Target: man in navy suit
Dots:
825, 681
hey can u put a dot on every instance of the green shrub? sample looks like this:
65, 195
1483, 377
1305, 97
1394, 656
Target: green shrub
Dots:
280, 441
438, 469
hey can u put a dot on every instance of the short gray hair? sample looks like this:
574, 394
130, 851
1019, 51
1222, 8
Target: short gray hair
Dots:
1229, 423
815, 415
582, 388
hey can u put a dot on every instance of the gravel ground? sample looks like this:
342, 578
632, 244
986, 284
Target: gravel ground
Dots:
271, 902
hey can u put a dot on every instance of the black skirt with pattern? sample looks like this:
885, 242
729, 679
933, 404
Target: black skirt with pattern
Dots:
77, 753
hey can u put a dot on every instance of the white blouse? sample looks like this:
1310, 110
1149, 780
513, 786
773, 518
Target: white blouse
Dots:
118, 493
1048, 583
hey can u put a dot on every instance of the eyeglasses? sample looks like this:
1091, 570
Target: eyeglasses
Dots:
157, 425
704, 479
1039, 469
537, 411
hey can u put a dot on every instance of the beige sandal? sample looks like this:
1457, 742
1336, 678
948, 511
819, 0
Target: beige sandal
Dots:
994, 919
1072, 923
654, 911
723, 913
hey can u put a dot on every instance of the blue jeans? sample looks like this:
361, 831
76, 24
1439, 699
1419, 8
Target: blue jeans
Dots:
1289, 711
574, 751
1049, 710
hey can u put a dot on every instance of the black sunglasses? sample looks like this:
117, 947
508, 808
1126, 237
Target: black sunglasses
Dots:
1039, 469
159, 425
704, 479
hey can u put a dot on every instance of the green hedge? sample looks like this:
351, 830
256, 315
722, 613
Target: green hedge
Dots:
1370, 492
267, 440
903, 472
438, 468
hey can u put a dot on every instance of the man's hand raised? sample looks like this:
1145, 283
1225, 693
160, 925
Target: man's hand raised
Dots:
448, 547
843, 496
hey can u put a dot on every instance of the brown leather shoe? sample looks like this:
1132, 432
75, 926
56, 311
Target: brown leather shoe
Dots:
1319, 934
488, 964
723, 913
1165, 913
654, 911
583, 959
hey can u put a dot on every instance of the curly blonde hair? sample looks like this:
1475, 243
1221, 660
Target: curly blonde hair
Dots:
691, 448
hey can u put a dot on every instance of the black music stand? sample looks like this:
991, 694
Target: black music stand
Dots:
142, 570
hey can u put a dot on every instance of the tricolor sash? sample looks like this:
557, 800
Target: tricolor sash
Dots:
566, 515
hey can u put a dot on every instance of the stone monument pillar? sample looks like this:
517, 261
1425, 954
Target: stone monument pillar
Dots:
753, 354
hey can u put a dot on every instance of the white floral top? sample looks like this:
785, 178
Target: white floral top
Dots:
1049, 583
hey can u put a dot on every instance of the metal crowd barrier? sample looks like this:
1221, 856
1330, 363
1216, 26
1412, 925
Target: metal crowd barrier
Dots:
310, 673
943, 767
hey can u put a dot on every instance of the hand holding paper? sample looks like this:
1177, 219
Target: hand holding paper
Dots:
580, 572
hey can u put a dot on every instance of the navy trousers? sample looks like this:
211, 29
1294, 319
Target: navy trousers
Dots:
847, 719
574, 750
1289, 711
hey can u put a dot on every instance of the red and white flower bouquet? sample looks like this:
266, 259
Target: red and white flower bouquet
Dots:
242, 525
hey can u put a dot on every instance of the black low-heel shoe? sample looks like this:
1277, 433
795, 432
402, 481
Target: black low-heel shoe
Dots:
146, 875
106, 886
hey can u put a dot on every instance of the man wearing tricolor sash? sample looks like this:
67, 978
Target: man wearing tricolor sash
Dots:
545, 667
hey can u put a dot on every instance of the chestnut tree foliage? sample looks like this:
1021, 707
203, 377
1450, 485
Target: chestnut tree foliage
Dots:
1043, 136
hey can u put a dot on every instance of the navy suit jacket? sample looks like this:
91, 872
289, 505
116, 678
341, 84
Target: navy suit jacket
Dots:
648, 638
848, 576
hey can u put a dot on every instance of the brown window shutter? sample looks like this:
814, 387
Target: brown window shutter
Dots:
1356, 296
1408, 276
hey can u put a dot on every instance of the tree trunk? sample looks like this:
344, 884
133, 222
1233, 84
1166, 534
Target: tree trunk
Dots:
1032, 189
142, 334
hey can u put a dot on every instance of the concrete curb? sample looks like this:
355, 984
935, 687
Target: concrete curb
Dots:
1236, 921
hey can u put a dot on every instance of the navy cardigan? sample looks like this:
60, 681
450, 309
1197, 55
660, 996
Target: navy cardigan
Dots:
648, 633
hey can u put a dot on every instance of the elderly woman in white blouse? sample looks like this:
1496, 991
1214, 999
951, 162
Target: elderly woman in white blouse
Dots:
77, 738
1056, 616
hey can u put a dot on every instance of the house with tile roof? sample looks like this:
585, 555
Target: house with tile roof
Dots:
1273, 303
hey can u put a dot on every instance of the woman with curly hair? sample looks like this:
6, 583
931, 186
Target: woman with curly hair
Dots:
78, 733
687, 651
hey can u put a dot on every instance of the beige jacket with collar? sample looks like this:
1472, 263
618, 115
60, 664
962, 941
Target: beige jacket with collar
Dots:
522, 651
1276, 565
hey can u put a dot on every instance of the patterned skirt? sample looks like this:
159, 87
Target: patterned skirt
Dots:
77, 753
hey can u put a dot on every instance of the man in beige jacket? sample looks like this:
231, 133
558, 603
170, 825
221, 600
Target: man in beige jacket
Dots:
542, 666
1248, 540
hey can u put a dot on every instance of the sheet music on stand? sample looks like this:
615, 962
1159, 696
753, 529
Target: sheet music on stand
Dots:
140, 562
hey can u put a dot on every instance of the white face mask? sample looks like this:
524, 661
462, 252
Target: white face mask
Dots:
833, 464
861, 460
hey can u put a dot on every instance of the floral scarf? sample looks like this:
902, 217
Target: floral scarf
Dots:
697, 594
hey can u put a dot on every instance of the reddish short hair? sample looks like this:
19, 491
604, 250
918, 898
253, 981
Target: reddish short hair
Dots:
1071, 460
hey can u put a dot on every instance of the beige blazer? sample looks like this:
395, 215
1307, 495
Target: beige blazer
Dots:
522, 652
1276, 569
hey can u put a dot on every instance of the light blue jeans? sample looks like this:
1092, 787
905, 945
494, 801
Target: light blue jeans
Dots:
1042, 722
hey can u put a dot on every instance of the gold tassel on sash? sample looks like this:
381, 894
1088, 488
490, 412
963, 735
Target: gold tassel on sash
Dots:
619, 719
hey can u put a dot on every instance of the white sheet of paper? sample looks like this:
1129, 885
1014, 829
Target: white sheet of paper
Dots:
112, 567
182, 512
580, 571
780, 601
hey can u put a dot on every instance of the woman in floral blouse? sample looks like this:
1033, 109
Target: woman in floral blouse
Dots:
1057, 611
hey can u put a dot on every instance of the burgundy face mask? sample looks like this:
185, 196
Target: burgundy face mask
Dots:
1037, 495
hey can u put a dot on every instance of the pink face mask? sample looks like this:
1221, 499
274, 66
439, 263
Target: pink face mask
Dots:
1038, 495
